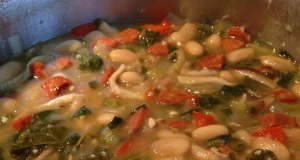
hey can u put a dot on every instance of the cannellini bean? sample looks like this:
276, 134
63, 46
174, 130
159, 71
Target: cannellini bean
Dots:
200, 153
166, 133
7, 105
239, 55
279, 149
295, 89
10, 70
278, 63
130, 77
120, 91
209, 132
193, 48
229, 76
243, 135
184, 34
93, 36
105, 118
214, 43
68, 47
170, 146
122, 56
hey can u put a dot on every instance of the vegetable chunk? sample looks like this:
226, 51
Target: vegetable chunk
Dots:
55, 85
276, 119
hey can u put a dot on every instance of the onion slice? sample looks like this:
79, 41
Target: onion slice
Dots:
185, 71
255, 75
196, 80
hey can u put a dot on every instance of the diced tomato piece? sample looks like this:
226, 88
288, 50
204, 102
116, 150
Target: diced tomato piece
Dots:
63, 62
82, 30
192, 101
172, 96
230, 44
54, 85
275, 133
201, 119
127, 36
178, 124
137, 119
107, 41
163, 27
159, 48
276, 119
284, 96
224, 149
214, 61
238, 33
124, 147
22, 123
36, 70
106, 75
267, 71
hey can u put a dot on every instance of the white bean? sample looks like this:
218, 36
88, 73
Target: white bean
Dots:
130, 77
244, 54
93, 36
166, 133
295, 89
200, 153
214, 43
229, 76
193, 48
122, 56
209, 132
278, 63
280, 150
184, 34
105, 118
68, 47
243, 135
10, 70
170, 146
7, 105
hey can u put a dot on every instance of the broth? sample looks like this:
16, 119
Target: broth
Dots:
168, 90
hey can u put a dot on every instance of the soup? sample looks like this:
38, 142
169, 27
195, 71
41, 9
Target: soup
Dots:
174, 89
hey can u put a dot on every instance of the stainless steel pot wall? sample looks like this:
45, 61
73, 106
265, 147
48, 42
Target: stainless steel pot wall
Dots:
31, 21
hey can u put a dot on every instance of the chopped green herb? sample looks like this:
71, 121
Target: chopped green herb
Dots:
88, 61
202, 33
232, 91
116, 121
68, 143
286, 55
148, 38
207, 101
285, 79
261, 154
93, 84
216, 142
83, 111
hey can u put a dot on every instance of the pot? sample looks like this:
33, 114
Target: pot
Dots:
25, 22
